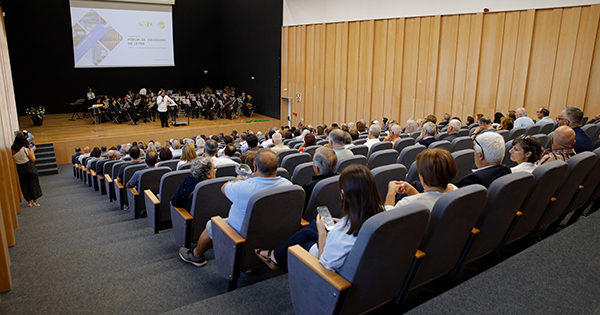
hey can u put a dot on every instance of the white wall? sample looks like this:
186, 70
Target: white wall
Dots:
298, 12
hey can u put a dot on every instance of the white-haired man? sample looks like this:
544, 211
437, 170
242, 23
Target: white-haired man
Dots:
394, 135
373, 138
428, 134
522, 119
277, 141
489, 152
453, 129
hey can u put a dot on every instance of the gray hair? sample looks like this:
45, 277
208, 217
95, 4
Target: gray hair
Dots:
446, 116
211, 147
574, 115
522, 111
201, 167
337, 136
430, 128
455, 124
350, 125
325, 160
375, 130
347, 138
396, 129
493, 147
411, 126
277, 138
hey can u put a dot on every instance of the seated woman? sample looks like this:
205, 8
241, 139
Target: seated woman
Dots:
309, 140
506, 123
526, 150
437, 169
188, 154
360, 201
202, 168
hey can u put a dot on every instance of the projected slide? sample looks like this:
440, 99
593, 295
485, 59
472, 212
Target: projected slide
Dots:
121, 38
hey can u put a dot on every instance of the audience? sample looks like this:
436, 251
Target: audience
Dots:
188, 154
506, 123
373, 137
151, 160
522, 119
562, 141
573, 117
134, 153
337, 142
428, 134
485, 125
309, 139
542, 115
489, 152
453, 129
277, 141
394, 134
210, 151
324, 164
201, 169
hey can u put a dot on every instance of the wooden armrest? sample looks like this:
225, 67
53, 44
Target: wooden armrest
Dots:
134, 191
101, 176
475, 231
183, 213
108, 179
229, 231
337, 281
152, 197
580, 186
304, 222
553, 199
519, 213
87, 171
119, 185
419, 254
93, 173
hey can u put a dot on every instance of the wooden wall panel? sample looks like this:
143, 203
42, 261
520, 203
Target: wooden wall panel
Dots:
459, 64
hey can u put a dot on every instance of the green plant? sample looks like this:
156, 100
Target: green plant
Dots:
36, 111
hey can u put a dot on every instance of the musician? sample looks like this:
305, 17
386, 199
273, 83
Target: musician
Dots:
90, 95
231, 107
209, 103
195, 107
162, 102
249, 105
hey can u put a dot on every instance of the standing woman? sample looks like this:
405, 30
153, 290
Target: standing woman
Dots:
28, 175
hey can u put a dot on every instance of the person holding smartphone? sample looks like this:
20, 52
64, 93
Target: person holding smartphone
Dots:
360, 201
28, 175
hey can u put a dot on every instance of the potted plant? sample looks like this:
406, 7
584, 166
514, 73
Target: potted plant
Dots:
37, 114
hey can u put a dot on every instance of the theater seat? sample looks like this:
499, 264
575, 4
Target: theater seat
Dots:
409, 154
465, 160
290, 161
303, 174
158, 205
378, 147
325, 193
149, 180
383, 157
349, 160
120, 187
386, 173
360, 149
403, 143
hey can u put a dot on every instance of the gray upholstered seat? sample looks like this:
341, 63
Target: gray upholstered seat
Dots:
549, 141
272, 217
292, 160
208, 201
383, 157
378, 147
283, 153
322, 142
413, 174
360, 149
325, 193
464, 163
106, 169
374, 270
170, 163
542, 137
292, 144
415, 134
109, 178
532, 129
349, 160
463, 133
149, 180
409, 154
516, 132
461, 143
442, 144
590, 130
311, 149
298, 145
386, 173
120, 187
403, 143
283, 173
158, 206
507, 161
235, 159
359, 141
585, 195
505, 134
546, 127
185, 166
226, 170
441, 135
303, 173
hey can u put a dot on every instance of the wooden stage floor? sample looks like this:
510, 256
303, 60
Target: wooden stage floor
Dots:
67, 134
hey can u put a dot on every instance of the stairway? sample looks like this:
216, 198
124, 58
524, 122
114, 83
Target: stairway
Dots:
45, 161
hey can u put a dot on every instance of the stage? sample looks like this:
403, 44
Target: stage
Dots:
67, 134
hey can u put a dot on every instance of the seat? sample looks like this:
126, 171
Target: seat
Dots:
373, 271
507, 161
207, 202
92, 175
158, 205
403, 143
450, 226
322, 142
413, 174
284, 153
359, 141
292, 144
297, 146
185, 166
349, 160
549, 141
546, 128
504, 196
120, 186
303, 174
465, 160
542, 137
325, 193
461, 143
378, 147
463, 133
532, 129
415, 134
106, 169
383, 157
283, 173
516, 132
172, 164
290, 161
360, 149
149, 180
441, 135
386, 173
234, 252
590, 130
235, 159
311, 149
586, 195
473, 126
505, 134
226, 170
442, 144
409, 154
108, 178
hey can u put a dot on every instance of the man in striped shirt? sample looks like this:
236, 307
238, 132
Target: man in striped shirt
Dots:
562, 146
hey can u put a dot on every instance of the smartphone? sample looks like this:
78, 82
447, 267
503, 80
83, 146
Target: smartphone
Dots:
326, 215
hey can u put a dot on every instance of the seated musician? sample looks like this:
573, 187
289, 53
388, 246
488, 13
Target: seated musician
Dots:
248, 109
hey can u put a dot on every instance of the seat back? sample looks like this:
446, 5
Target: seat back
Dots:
516, 132
386, 173
292, 160
283, 153
465, 159
169, 183
452, 219
283, 173
442, 144
226, 170
349, 160
378, 263
403, 143
378, 147
546, 128
149, 179
185, 166
322, 142
441, 135
504, 197
461, 143
462, 133
415, 134
311, 149
359, 141
107, 167
325, 193
547, 178
549, 141
542, 137
413, 174
590, 185
383, 157
130, 169
303, 173
172, 164
590, 130
532, 129
235, 159
505, 134
409, 154
360, 150
507, 161
292, 144
261, 230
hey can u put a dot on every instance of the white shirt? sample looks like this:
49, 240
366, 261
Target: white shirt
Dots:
163, 101
223, 161
545, 120
524, 167
337, 246
266, 143
91, 96
371, 142
523, 122
143, 91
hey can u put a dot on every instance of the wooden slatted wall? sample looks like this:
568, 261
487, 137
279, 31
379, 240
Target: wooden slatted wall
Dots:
459, 64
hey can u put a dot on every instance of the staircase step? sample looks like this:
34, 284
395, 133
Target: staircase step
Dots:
45, 159
42, 166
48, 171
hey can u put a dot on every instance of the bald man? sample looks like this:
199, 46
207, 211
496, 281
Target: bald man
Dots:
562, 146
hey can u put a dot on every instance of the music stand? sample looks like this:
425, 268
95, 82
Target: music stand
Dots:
75, 105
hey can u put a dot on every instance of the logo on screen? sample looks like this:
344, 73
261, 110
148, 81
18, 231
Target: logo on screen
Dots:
161, 25
145, 24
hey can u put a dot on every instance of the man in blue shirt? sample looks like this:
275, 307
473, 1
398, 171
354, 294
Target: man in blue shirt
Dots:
239, 192
522, 119
572, 117
542, 115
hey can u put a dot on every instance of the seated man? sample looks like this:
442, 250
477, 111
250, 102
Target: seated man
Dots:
176, 150
563, 141
485, 125
239, 192
542, 115
489, 153
75, 157
337, 142
444, 122
134, 154
210, 151
573, 117
453, 129
522, 119
394, 134
151, 160
373, 137
277, 141
112, 155
428, 134
324, 165
252, 142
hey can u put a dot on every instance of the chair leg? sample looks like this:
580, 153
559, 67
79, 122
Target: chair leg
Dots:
594, 207
576, 215
232, 285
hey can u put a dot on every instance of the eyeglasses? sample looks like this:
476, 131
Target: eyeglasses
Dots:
477, 142
560, 118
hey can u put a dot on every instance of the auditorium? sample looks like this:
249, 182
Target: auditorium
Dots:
299, 157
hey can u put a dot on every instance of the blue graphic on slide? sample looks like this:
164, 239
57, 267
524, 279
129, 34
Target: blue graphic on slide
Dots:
89, 41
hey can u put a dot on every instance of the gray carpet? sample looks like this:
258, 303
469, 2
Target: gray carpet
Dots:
79, 254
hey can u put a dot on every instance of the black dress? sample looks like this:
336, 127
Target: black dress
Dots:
29, 179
